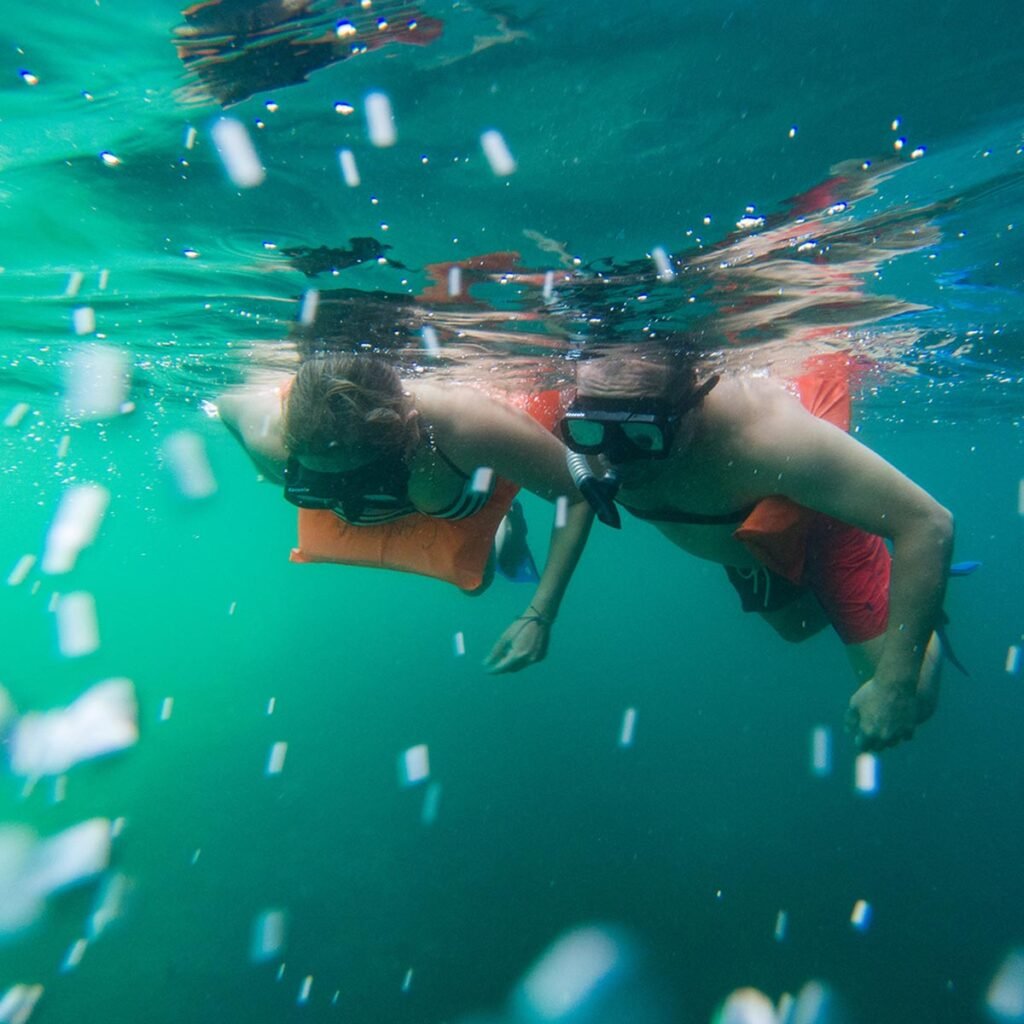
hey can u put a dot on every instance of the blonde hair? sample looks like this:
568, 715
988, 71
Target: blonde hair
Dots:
354, 401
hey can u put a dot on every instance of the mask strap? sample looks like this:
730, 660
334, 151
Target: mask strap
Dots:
699, 395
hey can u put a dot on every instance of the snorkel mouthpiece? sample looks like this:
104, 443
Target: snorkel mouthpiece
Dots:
599, 491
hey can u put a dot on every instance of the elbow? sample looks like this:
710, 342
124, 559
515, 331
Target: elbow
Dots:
925, 540
928, 531
940, 528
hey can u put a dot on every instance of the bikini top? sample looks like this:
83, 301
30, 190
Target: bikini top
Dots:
382, 507
672, 515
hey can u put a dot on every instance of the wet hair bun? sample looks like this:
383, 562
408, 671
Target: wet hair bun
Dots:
352, 400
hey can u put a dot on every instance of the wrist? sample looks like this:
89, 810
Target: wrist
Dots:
535, 614
899, 660
897, 682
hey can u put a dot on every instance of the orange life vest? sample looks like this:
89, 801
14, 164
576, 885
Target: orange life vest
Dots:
455, 551
776, 530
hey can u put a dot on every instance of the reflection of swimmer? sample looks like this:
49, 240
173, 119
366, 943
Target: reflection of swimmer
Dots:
789, 290
325, 260
238, 48
797, 282
352, 438
742, 473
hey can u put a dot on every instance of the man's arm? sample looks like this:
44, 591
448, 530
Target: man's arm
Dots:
526, 639
479, 431
820, 466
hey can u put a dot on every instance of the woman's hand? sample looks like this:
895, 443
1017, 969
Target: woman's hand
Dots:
522, 644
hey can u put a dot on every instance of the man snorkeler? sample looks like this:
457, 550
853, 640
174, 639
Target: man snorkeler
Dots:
740, 472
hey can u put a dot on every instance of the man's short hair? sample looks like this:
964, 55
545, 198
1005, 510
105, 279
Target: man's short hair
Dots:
635, 371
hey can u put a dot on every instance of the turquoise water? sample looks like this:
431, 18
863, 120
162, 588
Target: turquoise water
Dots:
633, 127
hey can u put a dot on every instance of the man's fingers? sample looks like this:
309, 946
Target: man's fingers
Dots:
865, 742
907, 734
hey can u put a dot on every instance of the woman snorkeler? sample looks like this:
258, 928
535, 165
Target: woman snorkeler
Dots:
348, 435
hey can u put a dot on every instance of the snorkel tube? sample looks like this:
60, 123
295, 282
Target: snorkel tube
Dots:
599, 491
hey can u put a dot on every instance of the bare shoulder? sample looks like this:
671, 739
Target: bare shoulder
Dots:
255, 417
458, 410
735, 413
740, 397
478, 429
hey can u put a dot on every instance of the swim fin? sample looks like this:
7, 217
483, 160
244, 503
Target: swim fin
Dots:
956, 569
514, 560
963, 568
947, 648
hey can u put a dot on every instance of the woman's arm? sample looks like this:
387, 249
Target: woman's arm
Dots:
254, 420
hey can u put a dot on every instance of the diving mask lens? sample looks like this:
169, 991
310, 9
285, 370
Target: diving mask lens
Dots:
582, 435
645, 437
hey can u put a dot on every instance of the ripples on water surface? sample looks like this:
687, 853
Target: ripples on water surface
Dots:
752, 182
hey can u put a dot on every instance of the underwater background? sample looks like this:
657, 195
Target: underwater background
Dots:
707, 129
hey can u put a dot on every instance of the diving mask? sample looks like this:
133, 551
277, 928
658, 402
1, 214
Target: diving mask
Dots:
381, 486
624, 429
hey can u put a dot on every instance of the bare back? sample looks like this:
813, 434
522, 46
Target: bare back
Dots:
730, 453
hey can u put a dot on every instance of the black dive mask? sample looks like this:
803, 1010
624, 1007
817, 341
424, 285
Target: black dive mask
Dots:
377, 487
623, 429
626, 429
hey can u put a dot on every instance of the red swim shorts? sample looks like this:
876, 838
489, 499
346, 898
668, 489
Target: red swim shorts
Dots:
848, 571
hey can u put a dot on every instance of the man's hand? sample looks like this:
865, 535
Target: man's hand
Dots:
522, 644
882, 714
